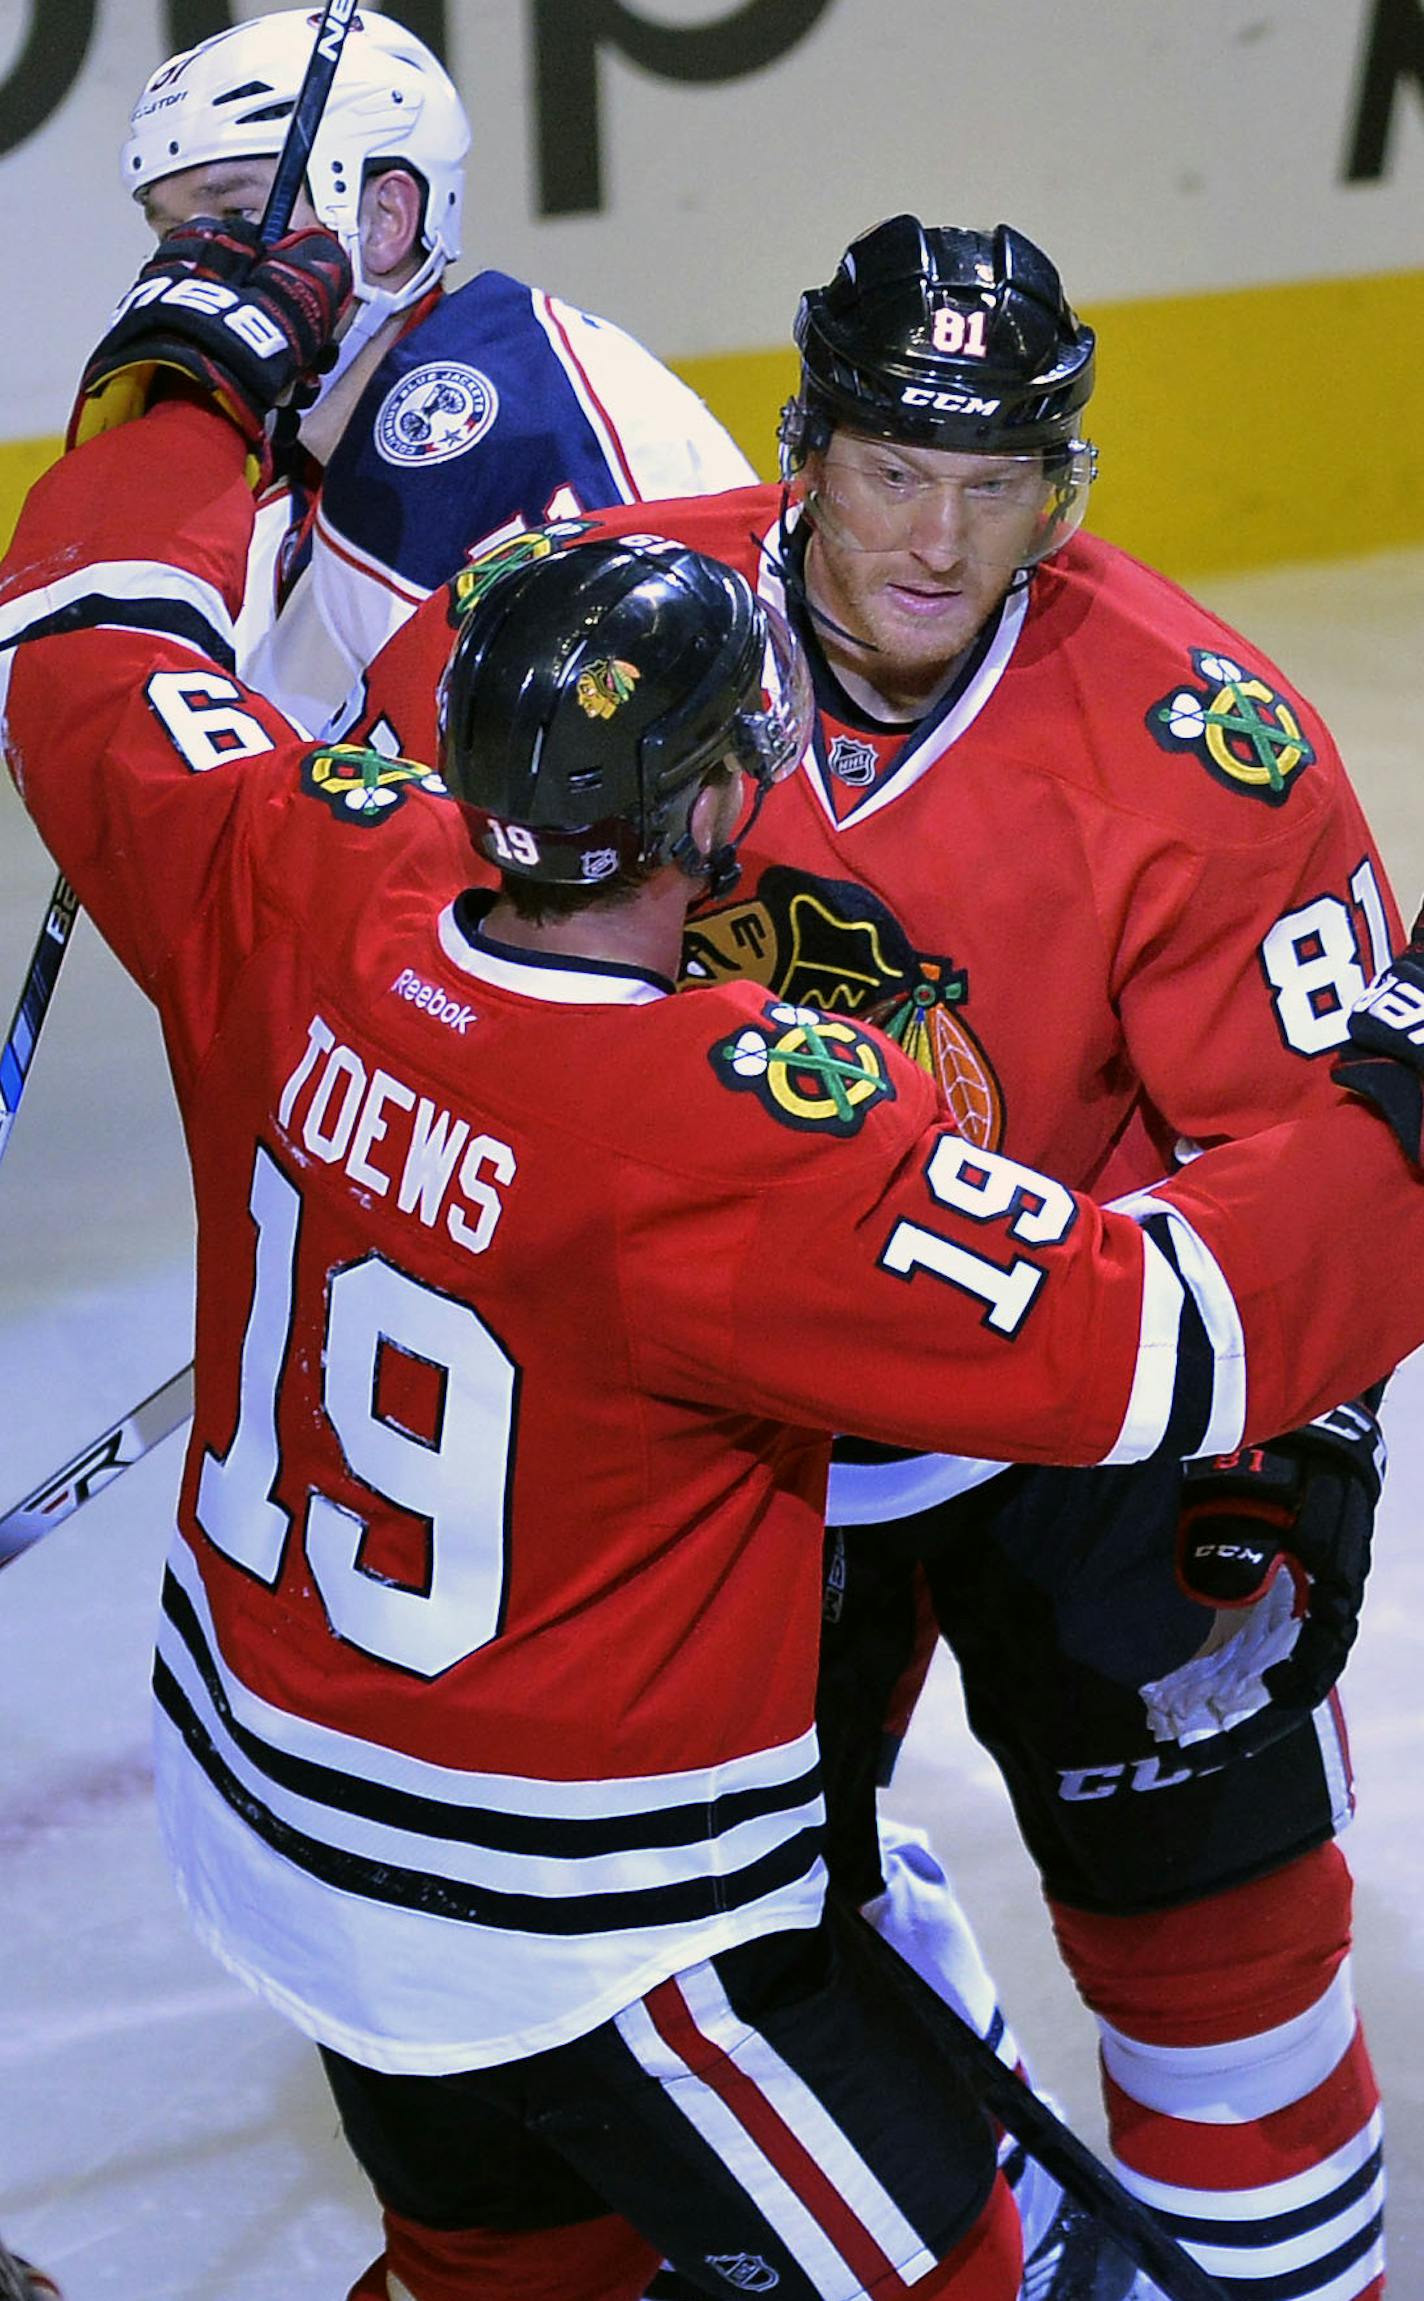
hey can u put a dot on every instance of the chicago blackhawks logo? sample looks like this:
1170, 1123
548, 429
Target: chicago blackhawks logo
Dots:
829, 944
603, 687
806, 1069
1243, 732
364, 785
487, 566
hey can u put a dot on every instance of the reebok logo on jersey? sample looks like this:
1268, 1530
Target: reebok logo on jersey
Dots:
433, 1001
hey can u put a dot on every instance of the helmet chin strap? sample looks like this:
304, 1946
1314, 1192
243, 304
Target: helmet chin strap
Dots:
723, 867
373, 307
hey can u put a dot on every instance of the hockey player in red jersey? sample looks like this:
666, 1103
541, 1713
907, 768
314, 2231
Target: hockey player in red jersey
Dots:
1081, 849
487, 1662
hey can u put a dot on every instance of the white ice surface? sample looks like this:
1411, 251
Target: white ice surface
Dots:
162, 2134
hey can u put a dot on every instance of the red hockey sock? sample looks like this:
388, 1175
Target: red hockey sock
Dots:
985, 2265
603, 2260
1241, 2102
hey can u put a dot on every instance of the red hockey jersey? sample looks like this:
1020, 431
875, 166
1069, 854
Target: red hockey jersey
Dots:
1114, 892
526, 1295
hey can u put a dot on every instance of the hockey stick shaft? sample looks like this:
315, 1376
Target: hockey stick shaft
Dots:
336, 21
96, 1465
33, 1003
1011, 2099
37, 990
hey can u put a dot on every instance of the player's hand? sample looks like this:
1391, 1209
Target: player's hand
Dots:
1384, 1062
1302, 1506
243, 323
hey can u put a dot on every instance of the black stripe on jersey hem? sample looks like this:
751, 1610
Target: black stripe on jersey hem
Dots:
96, 611
541, 1837
1279, 2228
1194, 1384
685, 1902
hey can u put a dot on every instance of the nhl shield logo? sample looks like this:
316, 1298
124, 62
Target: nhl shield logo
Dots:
851, 761
435, 413
747, 2272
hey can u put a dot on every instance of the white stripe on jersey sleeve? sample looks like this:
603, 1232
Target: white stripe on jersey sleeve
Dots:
656, 435
118, 579
1163, 1294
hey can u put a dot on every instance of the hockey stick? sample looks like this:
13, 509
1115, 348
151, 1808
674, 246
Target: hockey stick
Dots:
21, 2281
1010, 2099
37, 990
33, 1003
95, 1465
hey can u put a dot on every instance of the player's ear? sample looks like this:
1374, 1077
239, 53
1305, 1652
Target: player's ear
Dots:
392, 204
714, 812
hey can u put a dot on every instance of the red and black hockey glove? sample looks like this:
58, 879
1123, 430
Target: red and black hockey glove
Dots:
1303, 1504
1384, 1062
244, 323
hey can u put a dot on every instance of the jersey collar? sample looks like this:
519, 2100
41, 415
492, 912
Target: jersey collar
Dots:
555, 978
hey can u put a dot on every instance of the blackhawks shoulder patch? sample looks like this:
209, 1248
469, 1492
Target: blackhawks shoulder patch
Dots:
485, 569
364, 785
1243, 732
807, 1069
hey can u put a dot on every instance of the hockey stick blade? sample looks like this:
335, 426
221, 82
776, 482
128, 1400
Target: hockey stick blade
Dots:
1009, 2098
105, 1458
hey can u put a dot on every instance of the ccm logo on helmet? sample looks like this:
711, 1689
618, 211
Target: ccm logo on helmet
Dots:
948, 402
260, 334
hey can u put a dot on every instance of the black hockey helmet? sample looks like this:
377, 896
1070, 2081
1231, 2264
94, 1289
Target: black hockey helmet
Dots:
590, 693
940, 338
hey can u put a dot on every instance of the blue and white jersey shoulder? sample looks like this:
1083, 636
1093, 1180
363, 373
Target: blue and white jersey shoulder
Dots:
502, 408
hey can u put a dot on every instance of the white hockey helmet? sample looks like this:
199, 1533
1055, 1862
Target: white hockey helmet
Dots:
233, 95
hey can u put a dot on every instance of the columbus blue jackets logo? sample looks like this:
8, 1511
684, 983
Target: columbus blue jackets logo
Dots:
364, 786
435, 413
1243, 732
806, 1068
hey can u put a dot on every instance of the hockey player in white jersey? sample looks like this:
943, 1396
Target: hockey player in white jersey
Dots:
449, 417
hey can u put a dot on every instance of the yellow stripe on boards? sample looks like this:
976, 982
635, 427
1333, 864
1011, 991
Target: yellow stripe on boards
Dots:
1237, 429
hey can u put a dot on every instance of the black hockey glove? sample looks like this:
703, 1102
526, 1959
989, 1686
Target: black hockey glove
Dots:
1303, 1504
1384, 1062
244, 323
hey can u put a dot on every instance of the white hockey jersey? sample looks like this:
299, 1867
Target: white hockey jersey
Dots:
501, 407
